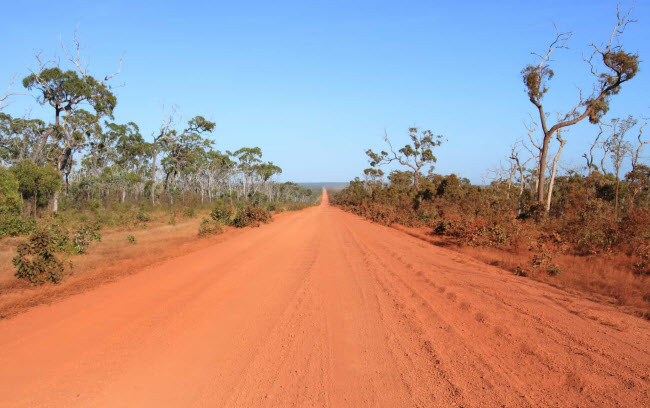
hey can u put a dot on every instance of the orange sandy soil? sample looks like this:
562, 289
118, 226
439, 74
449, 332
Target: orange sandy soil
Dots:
105, 261
323, 308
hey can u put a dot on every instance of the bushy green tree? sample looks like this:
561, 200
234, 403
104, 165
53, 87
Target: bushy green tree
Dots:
10, 201
36, 183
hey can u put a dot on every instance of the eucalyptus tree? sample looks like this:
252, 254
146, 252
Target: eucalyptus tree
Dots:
186, 152
636, 154
247, 160
70, 93
132, 153
100, 150
165, 136
638, 180
218, 168
266, 171
610, 66
36, 183
373, 178
18, 138
415, 156
619, 149
4, 97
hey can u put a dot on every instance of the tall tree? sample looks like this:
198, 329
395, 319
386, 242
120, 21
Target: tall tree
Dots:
248, 158
619, 149
415, 156
68, 93
615, 68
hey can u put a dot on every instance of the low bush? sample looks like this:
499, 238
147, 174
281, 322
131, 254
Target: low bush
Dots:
14, 225
131, 239
210, 227
222, 212
36, 259
142, 216
83, 236
251, 216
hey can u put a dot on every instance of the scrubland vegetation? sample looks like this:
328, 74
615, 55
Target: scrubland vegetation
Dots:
70, 174
587, 230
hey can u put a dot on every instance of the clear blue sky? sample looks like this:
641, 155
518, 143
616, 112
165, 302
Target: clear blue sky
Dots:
314, 84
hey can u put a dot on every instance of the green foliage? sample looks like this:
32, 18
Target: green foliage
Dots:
414, 156
535, 79
251, 216
36, 183
142, 216
209, 227
14, 225
10, 201
581, 222
189, 212
222, 212
131, 239
36, 260
65, 89
94, 204
82, 237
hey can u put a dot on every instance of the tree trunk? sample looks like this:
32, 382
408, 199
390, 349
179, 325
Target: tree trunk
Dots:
541, 175
153, 176
553, 173
55, 203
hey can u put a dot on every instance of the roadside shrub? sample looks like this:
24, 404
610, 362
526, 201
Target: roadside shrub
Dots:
14, 225
222, 212
172, 219
251, 216
131, 239
82, 238
142, 216
209, 227
36, 261
591, 229
544, 261
189, 212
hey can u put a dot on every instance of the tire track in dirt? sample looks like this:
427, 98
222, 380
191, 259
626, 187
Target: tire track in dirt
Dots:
323, 308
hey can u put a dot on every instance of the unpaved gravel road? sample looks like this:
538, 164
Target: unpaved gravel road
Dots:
323, 308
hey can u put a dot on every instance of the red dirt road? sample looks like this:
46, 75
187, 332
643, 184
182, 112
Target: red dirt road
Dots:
322, 308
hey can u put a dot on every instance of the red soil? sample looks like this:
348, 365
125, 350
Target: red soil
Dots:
323, 308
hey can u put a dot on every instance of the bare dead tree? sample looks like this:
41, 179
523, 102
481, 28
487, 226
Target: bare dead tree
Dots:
620, 149
4, 97
620, 67
521, 165
551, 182
605, 147
166, 134
531, 128
76, 59
589, 157
636, 156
